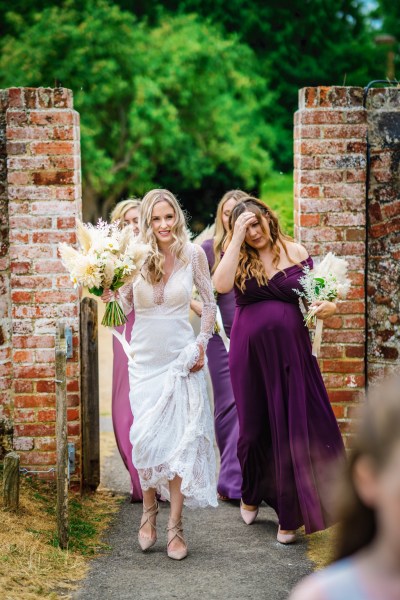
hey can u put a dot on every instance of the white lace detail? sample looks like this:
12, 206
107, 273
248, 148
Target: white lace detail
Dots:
202, 281
172, 432
125, 297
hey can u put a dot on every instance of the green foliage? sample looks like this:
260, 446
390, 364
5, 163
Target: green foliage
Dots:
299, 43
277, 193
194, 95
175, 102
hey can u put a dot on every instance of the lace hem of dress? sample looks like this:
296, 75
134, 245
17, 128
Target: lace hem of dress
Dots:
198, 485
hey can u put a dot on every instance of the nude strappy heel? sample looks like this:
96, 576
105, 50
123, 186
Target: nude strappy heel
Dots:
144, 542
176, 531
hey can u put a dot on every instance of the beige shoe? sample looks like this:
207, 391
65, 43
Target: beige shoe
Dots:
286, 538
248, 516
147, 542
176, 531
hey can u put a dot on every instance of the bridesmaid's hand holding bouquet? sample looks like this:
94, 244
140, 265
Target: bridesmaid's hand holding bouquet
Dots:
108, 258
325, 283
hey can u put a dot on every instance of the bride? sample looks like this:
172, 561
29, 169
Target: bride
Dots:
172, 433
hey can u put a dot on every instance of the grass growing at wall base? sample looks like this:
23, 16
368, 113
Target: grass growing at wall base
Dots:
321, 546
32, 565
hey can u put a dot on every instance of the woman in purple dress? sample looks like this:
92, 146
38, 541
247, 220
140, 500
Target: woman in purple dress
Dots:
225, 413
127, 213
288, 435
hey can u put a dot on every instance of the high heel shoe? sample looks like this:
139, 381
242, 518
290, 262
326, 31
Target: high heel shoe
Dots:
285, 538
248, 516
176, 531
147, 542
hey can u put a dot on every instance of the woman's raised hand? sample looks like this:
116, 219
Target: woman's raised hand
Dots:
241, 225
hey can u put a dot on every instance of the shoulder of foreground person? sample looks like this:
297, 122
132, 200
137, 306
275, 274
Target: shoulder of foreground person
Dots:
336, 582
308, 589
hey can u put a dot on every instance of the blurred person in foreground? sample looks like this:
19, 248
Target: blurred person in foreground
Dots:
368, 541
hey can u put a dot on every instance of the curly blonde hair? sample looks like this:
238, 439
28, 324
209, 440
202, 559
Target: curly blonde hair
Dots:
155, 262
121, 208
250, 264
220, 233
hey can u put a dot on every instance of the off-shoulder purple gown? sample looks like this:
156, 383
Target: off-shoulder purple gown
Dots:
121, 408
225, 413
288, 434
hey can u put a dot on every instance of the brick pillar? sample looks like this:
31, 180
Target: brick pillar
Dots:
383, 107
330, 215
44, 197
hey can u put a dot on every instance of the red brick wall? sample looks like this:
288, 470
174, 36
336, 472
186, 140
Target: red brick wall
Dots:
44, 197
383, 106
331, 213
329, 197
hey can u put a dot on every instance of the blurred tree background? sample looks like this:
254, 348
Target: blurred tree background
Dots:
193, 95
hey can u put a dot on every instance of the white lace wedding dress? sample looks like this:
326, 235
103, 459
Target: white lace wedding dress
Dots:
172, 432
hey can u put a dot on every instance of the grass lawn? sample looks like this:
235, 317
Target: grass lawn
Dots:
277, 192
32, 565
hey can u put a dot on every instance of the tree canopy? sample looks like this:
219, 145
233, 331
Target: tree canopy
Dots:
195, 95
177, 102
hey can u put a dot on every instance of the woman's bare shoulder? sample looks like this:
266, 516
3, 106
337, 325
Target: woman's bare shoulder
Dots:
296, 251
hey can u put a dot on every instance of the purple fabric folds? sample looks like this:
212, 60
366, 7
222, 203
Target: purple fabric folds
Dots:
225, 413
121, 409
288, 435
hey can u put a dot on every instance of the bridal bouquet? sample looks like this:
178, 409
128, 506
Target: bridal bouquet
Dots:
327, 281
108, 258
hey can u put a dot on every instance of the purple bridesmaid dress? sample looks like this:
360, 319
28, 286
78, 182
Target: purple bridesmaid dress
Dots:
288, 435
121, 408
225, 413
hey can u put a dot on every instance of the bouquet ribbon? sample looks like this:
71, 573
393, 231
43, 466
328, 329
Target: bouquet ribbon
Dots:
122, 339
316, 347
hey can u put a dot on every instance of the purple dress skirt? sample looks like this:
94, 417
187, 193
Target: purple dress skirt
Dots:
121, 409
225, 413
289, 439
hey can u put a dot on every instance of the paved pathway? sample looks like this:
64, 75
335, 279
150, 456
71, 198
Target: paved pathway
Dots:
227, 560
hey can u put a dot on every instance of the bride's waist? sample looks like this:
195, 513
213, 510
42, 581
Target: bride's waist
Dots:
173, 316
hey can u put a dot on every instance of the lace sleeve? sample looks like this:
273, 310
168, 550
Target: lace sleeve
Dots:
202, 280
125, 297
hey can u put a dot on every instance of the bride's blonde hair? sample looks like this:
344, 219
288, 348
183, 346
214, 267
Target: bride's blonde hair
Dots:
250, 264
220, 233
155, 262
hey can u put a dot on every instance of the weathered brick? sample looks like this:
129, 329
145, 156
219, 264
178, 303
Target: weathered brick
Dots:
23, 356
21, 297
34, 400
50, 148
33, 341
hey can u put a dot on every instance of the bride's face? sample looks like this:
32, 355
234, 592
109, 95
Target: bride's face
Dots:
162, 221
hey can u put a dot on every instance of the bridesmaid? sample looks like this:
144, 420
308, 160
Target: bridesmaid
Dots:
288, 435
127, 213
225, 413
